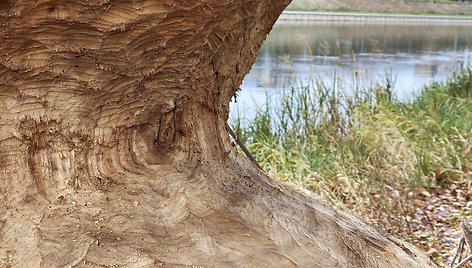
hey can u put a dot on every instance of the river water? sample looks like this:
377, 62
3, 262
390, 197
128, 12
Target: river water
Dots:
411, 56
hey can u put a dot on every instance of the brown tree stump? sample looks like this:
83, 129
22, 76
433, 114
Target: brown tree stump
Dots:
114, 152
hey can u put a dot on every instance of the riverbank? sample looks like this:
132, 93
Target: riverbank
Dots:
418, 7
304, 16
405, 167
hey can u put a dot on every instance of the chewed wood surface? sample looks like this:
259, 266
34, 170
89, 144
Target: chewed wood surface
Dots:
114, 151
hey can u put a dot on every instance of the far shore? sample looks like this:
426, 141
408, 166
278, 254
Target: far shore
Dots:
309, 16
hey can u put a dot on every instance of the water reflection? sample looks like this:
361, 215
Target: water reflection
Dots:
412, 55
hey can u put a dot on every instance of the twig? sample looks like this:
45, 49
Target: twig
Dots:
465, 240
459, 251
242, 146
467, 230
463, 262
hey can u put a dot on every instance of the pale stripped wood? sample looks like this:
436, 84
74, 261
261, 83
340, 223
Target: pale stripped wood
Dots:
114, 153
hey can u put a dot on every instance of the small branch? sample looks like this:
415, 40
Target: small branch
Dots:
467, 230
463, 262
242, 146
465, 240
459, 251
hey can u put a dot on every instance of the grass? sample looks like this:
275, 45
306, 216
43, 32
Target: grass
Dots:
364, 151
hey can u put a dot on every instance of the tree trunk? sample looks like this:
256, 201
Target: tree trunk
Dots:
114, 152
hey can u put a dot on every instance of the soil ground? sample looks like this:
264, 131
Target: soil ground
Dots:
432, 219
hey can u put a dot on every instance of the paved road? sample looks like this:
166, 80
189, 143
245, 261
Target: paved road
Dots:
366, 17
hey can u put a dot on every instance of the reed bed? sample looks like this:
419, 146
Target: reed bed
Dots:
360, 148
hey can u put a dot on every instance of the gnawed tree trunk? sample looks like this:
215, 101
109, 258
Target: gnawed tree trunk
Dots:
114, 152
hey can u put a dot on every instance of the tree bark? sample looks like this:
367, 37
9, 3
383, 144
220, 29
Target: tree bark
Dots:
114, 152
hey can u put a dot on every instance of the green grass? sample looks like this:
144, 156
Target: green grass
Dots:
361, 151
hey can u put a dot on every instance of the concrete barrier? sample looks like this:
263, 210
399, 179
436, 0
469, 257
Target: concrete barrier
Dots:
372, 18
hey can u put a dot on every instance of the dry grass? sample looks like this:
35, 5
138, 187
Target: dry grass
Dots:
361, 151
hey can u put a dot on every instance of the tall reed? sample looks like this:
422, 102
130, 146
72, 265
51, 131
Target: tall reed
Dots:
353, 147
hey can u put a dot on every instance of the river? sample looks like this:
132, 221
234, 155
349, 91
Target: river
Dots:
411, 56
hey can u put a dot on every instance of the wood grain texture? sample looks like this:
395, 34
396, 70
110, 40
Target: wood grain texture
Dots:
114, 153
